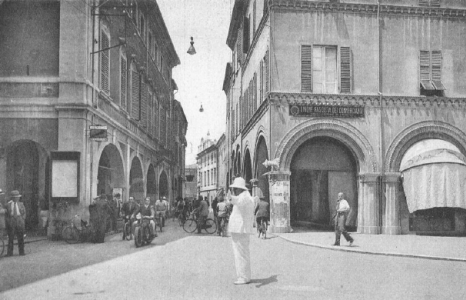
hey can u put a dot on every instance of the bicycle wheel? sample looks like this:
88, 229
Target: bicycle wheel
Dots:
160, 223
127, 231
210, 226
2, 246
71, 235
138, 237
190, 225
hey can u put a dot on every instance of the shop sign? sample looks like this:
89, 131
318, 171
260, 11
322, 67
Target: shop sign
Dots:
98, 132
323, 110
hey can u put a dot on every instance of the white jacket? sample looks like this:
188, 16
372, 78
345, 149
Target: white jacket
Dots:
242, 215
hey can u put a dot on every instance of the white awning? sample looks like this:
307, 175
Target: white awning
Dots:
435, 178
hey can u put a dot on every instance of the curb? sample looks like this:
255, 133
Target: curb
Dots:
373, 252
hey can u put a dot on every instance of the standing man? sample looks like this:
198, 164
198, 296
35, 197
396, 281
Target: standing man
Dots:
203, 214
241, 227
15, 217
340, 220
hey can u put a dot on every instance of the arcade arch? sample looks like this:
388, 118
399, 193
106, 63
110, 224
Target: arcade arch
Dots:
136, 180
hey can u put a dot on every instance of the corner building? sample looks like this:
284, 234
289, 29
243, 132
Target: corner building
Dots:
361, 97
75, 64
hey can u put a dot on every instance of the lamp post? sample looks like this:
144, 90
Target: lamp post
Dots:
191, 49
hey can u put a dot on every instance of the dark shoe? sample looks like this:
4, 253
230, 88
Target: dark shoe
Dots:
351, 243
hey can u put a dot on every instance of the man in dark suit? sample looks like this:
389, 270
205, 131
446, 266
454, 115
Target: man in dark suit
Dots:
15, 222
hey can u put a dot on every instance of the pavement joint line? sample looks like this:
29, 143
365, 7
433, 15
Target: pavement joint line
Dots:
334, 248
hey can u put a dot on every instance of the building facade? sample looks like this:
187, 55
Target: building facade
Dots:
191, 182
222, 163
86, 105
207, 168
350, 96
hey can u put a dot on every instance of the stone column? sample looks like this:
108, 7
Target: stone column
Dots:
368, 210
391, 212
279, 187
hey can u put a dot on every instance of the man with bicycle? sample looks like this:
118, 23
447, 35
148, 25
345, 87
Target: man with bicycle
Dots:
146, 210
161, 208
262, 214
128, 210
203, 214
222, 213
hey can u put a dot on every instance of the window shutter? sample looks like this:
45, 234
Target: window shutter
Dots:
261, 86
135, 108
435, 3
239, 50
104, 63
423, 2
345, 69
306, 69
149, 114
437, 70
254, 18
267, 86
123, 82
424, 63
246, 35
255, 92
143, 102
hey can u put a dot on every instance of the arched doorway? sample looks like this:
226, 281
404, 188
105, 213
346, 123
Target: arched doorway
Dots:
136, 180
163, 185
261, 156
27, 165
322, 167
110, 174
151, 185
238, 164
247, 169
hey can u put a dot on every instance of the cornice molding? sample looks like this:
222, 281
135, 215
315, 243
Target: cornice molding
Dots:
436, 12
366, 100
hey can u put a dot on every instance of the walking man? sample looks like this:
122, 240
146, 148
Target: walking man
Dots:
340, 220
15, 218
240, 228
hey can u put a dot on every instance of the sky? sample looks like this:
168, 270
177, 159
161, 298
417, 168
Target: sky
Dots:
199, 77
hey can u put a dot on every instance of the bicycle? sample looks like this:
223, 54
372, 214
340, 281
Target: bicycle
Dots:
59, 221
127, 229
72, 234
191, 224
142, 233
160, 219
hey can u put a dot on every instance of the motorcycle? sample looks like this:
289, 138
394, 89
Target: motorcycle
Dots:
127, 228
142, 233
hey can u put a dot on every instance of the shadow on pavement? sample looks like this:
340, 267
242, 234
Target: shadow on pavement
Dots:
265, 281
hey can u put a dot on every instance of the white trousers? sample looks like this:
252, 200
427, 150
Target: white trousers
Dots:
240, 242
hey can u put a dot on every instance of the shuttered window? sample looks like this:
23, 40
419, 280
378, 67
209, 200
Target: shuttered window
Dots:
156, 119
135, 96
143, 102
239, 52
306, 69
123, 82
246, 35
432, 3
149, 114
255, 91
254, 18
430, 72
266, 62
104, 63
345, 70
261, 83
324, 69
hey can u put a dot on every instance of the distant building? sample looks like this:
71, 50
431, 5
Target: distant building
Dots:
207, 168
350, 96
190, 183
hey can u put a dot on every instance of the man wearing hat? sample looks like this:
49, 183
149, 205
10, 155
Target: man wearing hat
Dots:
15, 222
241, 227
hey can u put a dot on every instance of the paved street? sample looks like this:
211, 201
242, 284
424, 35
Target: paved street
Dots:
182, 266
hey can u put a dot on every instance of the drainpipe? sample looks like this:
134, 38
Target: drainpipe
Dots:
382, 133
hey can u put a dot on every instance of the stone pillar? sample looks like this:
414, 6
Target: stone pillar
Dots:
279, 187
391, 212
368, 202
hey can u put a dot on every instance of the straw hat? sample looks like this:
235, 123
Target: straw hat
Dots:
239, 183
15, 193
